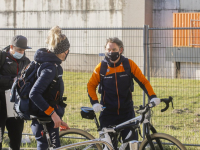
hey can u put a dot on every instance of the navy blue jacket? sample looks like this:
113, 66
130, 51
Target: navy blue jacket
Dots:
116, 92
46, 73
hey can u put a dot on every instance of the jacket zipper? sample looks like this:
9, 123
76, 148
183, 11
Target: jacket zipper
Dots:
117, 90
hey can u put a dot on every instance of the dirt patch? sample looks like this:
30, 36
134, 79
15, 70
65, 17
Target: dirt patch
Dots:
197, 114
177, 111
189, 111
170, 127
195, 130
197, 120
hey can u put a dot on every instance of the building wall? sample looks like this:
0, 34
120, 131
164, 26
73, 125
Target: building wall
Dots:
163, 18
134, 16
99, 13
76, 13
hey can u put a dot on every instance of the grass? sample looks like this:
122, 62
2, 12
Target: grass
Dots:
183, 122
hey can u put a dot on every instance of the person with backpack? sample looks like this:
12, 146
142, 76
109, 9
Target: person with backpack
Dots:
12, 62
115, 75
50, 103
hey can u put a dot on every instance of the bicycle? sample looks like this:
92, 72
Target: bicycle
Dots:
154, 141
86, 142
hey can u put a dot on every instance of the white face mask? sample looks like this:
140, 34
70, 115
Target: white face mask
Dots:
17, 55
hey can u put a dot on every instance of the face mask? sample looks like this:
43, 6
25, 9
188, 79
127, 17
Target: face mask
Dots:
17, 55
113, 55
66, 55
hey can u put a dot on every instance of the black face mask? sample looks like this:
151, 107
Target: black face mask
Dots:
66, 55
113, 56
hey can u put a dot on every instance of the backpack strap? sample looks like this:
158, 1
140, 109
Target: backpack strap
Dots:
126, 66
55, 80
51, 86
102, 73
127, 69
3, 57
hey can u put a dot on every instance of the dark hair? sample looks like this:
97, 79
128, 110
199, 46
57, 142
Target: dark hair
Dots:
115, 40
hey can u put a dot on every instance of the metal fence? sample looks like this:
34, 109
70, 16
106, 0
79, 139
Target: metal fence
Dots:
173, 70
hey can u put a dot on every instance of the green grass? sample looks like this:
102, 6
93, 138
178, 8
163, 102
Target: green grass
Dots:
185, 93
185, 126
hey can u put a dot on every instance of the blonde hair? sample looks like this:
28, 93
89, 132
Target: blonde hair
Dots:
55, 36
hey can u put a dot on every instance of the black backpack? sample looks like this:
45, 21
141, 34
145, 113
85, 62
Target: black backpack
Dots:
21, 88
3, 55
103, 71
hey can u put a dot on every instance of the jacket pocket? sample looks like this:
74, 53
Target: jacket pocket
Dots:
59, 110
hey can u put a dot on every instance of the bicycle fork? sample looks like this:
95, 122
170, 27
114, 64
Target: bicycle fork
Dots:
149, 127
134, 144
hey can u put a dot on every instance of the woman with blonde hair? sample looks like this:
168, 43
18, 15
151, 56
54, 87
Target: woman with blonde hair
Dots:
50, 103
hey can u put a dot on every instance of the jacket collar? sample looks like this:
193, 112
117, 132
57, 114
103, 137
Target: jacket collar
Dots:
112, 64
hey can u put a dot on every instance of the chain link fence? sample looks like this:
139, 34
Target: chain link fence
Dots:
173, 70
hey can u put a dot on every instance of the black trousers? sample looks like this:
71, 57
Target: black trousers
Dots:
42, 143
14, 125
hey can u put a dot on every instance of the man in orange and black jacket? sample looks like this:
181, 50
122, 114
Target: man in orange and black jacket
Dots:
117, 87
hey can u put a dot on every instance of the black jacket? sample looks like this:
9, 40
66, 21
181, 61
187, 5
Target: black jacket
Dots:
10, 69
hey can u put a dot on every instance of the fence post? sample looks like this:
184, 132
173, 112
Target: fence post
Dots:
144, 66
148, 66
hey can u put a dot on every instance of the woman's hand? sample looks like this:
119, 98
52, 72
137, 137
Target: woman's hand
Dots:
64, 126
56, 119
58, 122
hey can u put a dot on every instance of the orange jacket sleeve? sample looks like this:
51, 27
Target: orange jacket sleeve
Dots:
93, 83
141, 80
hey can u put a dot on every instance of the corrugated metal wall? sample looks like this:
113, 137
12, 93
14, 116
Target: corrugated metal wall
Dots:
186, 38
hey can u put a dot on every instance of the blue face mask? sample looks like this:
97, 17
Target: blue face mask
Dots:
17, 55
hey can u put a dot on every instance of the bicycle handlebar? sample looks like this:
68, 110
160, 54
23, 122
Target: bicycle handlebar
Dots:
144, 109
167, 101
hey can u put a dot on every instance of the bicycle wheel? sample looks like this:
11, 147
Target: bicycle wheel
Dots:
162, 141
76, 135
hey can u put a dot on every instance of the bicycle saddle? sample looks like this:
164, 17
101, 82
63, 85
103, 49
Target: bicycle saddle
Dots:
87, 109
41, 119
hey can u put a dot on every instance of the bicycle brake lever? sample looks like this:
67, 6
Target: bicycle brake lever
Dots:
167, 101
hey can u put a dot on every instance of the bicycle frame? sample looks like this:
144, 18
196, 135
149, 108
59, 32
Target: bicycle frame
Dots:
138, 118
95, 141
105, 131
124, 145
50, 146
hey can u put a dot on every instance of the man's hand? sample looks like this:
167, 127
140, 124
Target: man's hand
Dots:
97, 107
56, 119
154, 102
